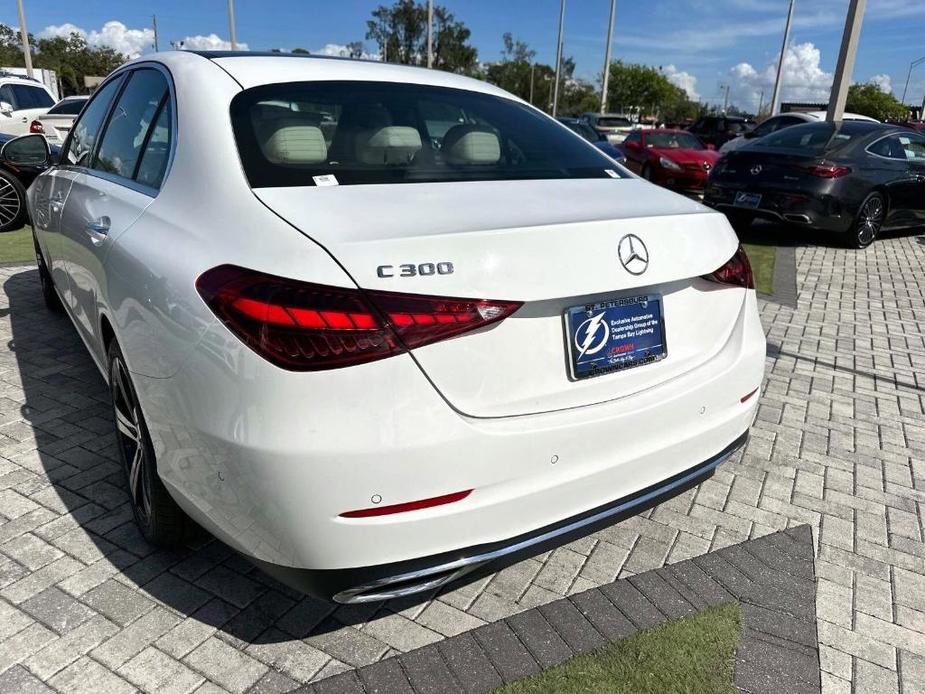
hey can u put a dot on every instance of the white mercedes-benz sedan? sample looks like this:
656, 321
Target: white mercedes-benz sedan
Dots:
377, 327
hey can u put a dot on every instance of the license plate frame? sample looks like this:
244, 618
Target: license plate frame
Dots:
635, 335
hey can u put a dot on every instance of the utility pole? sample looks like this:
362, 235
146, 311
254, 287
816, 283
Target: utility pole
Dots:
430, 33
846, 56
914, 64
23, 32
760, 101
555, 90
532, 73
234, 40
775, 98
613, 13
725, 90
154, 22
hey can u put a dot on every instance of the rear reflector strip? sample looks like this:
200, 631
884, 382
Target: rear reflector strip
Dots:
747, 397
407, 506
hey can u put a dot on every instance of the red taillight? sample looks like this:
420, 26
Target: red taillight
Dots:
37, 127
407, 506
301, 326
736, 272
829, 171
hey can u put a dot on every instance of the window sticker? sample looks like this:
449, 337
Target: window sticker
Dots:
611, 173
325, 180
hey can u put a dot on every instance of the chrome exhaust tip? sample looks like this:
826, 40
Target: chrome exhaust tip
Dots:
797, 218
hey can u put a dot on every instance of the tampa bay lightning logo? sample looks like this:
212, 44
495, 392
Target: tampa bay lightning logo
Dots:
592, 335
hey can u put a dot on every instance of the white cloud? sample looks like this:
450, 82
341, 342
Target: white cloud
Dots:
113, 34
212, 42
885, 82
341, 51
803, 79
685, 80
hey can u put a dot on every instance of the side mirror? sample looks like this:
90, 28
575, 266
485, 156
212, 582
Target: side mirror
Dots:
6, 108
711, 147
632, 144
27, 150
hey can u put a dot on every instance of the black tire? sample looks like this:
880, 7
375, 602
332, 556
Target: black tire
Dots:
52, 300
159, 518
13, 213
868, 222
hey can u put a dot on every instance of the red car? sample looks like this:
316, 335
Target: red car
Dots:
674, 159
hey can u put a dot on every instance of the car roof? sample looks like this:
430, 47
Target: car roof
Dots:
667, 131
252, 69
821, 115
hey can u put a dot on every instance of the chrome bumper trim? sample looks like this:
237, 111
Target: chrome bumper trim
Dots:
441, 574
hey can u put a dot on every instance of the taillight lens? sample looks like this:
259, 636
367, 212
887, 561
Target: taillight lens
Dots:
302, 326
37, 127
829, 171
736, 272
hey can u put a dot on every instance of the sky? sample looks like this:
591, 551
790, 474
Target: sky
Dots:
701, 45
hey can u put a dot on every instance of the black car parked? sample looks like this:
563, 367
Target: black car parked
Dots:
15, 177
718, 130
854, 178
591, 135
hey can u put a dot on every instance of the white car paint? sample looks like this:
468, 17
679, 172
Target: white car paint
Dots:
15, 114
806, 117
56, 125
268, 459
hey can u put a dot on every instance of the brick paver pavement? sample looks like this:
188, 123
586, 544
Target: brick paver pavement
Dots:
87, 605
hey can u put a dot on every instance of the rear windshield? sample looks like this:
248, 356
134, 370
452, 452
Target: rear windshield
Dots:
347, 133
737, 126
812, 137
673, 141
68, 107
613, 122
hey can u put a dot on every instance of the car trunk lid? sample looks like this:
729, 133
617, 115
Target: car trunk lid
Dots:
550, 244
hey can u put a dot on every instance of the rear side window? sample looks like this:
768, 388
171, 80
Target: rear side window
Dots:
811, 137
126, 132
304, 133
68, 107
153, 162
31, 97
87, 127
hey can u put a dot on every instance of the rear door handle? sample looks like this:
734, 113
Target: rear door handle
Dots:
98, 229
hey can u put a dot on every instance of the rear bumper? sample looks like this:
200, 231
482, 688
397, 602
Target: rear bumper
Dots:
398, 579
823, 211
267, 460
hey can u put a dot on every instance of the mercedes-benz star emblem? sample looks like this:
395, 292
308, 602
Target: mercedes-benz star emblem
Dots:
755, 170
633, 254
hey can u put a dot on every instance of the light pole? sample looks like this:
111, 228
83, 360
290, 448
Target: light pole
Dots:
26, 49
430, 33
234, 40
154, 24
846, 56
775, 97
555, 90
613, 12
914, 64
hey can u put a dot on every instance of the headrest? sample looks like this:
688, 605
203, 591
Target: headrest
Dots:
471, 144
291, 142
394, 144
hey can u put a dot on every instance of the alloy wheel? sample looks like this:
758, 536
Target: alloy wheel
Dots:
870, 219
10, 203
131, 441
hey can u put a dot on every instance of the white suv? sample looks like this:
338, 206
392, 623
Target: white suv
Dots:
21, 101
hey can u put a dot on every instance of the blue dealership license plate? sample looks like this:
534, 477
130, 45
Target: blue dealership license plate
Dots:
614, 335
749, 200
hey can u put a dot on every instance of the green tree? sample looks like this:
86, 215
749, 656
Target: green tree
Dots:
869, 100
644, 89
400, 30
73, 60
